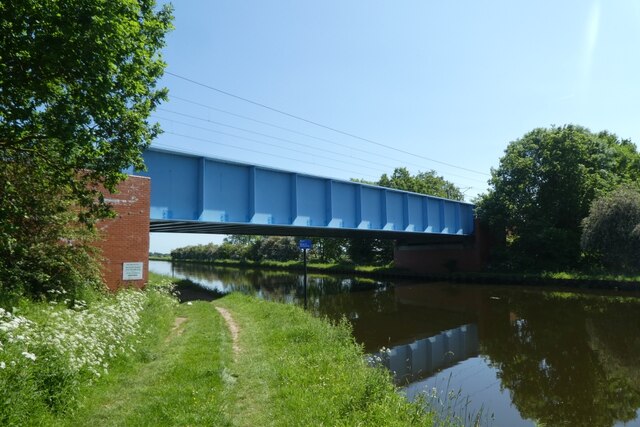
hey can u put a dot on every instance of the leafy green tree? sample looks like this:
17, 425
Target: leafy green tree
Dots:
544, 186
612, 229
77, 85
329, 249
423, 183
278, 249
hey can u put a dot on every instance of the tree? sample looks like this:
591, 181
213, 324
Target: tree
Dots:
77, 85
370, 251
544, 186
329, 249
278, 248
612, 229
423, 182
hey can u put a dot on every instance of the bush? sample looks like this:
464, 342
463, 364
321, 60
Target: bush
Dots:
612, 230
43, 245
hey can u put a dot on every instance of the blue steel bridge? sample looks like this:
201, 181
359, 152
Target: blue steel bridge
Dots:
196, 194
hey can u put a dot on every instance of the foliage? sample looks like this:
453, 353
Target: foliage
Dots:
612, 230
255, 249
51, 352
43, 247
328, 249
370, 251
77, 84
278, 249
423, 183
543, 188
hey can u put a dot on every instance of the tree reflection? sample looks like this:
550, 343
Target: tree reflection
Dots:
568, 361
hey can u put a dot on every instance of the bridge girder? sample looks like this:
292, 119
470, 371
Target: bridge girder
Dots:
196, 194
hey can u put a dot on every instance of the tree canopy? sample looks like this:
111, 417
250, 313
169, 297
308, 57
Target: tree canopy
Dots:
544, 186
77, 85
423, 182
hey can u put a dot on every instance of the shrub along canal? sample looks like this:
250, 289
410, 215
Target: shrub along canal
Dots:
523, 354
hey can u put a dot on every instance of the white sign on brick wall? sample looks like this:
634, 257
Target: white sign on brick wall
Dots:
132, 270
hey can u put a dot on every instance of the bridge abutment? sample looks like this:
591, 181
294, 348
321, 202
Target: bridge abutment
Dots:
470, 255
124, 240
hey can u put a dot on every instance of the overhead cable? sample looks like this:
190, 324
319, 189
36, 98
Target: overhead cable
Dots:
320, 124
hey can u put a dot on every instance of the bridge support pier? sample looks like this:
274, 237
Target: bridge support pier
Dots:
124, 240
470, 255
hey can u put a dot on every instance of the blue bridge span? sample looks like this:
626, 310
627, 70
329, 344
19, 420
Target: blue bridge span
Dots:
195, 194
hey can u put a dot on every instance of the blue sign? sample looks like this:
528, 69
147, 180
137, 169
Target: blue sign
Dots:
304, 244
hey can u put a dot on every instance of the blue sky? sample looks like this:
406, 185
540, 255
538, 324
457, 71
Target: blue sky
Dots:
448, 82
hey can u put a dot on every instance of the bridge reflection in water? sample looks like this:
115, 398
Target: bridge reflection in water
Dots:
421, 358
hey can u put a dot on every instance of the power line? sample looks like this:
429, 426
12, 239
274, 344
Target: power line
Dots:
299, 133
270, 144
281, 139
260, 152
253, 132
321, 125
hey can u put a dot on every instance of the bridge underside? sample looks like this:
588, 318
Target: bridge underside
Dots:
173, 226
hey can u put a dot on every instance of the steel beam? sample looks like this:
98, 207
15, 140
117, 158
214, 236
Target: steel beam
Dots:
190, 189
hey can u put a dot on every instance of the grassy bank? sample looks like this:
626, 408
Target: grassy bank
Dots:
293, 369
51, 354
290, 370
183, 366
184, 383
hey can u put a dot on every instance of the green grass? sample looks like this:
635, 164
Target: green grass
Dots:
182, 383
297, 370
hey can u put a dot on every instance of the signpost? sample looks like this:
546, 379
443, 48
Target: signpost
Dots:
304, 245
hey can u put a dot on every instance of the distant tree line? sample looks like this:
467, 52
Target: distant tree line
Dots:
275, 248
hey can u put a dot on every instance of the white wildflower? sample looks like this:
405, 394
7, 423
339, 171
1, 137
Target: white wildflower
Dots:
29, 355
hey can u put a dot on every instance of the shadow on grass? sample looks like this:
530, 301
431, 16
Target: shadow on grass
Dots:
187, 290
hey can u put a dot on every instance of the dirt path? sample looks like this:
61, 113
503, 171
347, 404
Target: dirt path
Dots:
233, 328
177, 329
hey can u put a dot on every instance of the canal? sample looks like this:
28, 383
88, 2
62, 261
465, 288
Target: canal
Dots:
521, 354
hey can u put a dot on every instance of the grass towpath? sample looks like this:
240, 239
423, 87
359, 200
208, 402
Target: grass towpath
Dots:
240, 361
295, 370
182, 382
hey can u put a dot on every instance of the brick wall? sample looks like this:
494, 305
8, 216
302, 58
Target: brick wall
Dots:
125, 239
471, 256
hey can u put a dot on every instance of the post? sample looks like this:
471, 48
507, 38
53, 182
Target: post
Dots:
304, 245
305, 278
